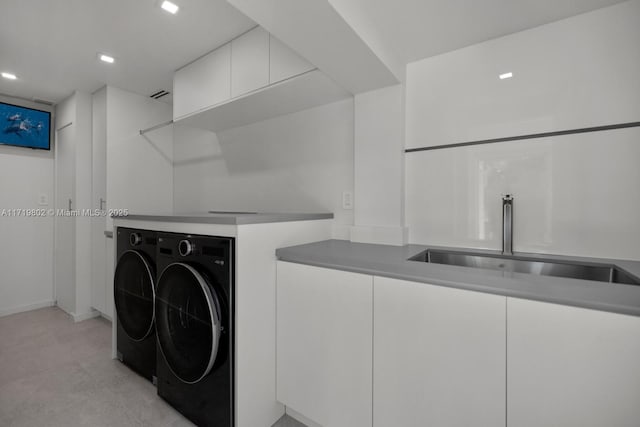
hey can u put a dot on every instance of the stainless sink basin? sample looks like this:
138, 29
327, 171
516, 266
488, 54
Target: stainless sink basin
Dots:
518, 264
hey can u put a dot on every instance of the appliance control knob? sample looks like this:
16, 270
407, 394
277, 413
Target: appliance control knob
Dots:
185, 247
135, 239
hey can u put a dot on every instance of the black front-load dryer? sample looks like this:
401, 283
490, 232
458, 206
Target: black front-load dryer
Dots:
134, 291
195, 327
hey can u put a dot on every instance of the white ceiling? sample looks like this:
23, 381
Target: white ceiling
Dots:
52, 46
415, 29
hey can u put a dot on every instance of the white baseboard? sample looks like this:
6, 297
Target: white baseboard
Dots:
102, 314
299, 417
84, 316
396, 236
27, 307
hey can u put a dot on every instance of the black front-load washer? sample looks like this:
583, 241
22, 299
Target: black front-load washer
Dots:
195, 327
134, 291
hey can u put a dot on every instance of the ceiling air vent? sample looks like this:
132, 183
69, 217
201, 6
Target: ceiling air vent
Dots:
159, 94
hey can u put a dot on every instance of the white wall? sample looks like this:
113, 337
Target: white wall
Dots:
574, 194
300, 162
139, 167
360, 24
379, 167
26, 252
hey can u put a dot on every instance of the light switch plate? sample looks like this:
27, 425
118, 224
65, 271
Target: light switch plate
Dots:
347, 200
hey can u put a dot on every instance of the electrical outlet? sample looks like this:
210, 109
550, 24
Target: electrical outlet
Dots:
43, 200
347, 200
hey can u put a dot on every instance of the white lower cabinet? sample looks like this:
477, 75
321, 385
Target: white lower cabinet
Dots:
439, 356
569, 366
324, 344
356, 350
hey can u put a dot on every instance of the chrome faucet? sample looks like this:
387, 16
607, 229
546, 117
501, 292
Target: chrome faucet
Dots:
507, 224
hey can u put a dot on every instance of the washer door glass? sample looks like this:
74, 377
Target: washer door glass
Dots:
133, 286
187, 322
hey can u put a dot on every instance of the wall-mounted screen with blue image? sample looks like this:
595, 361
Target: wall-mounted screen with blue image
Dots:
25, 127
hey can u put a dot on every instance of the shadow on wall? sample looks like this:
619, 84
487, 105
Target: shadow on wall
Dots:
193, 146
156, 147
299, 162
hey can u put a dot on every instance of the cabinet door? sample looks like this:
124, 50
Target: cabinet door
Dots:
570, 366
203, 83
439, 356
558, 72
110, 268
284, 62
249, 62
324, 348
65, 226
98, 267
99, 194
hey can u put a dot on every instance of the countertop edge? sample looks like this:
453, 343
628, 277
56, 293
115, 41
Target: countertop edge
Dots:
579, 299
246, 219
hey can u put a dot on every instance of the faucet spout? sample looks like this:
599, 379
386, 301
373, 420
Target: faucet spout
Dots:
507, 224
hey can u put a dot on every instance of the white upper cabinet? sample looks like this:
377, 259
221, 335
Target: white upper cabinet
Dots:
576, 73
284, 62
249, 62
203, 83
211, 93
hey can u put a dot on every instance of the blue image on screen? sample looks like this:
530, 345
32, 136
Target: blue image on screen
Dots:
24, 127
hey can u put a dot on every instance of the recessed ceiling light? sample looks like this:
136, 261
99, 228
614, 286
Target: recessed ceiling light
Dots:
106, 58
9, 76
505, 76
170, 7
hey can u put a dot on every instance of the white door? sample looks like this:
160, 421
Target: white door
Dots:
99, 286
65, 289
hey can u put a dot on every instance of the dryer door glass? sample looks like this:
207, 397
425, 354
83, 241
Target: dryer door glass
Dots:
133, 287
187, 322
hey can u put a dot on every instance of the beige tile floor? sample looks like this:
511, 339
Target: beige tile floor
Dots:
54, 372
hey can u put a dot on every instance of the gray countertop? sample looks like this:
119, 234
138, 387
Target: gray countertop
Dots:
232, 218
391, 261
